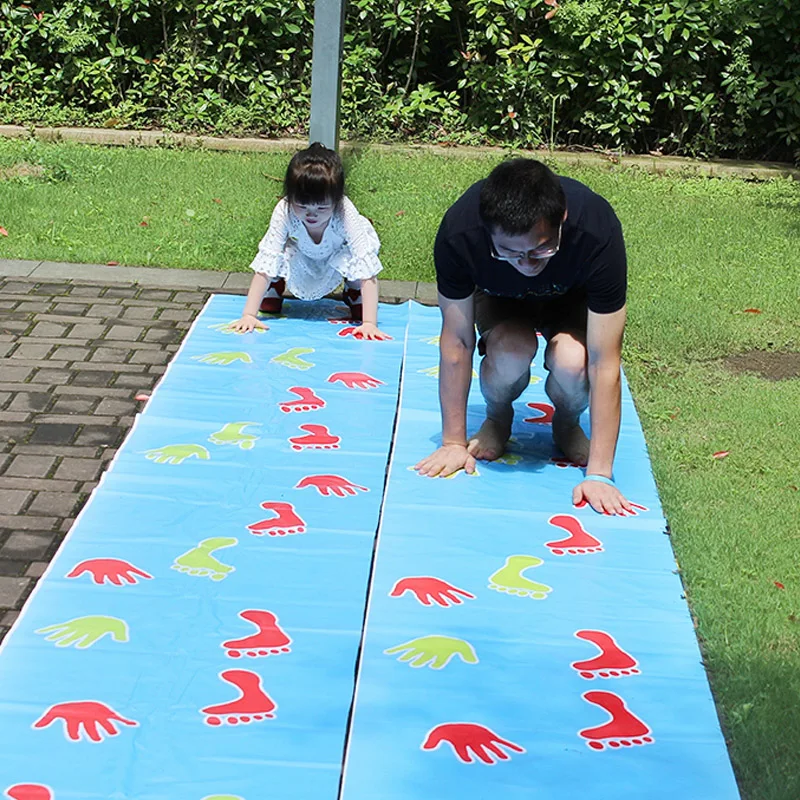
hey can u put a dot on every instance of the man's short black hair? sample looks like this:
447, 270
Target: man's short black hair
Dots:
314, 175
518, 194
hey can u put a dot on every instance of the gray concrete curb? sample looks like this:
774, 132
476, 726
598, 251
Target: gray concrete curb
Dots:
749, 170
197, 279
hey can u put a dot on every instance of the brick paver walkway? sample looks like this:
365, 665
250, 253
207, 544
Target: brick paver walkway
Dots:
73, 356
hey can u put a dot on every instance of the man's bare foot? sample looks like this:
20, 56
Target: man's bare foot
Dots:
489, 442
570, 439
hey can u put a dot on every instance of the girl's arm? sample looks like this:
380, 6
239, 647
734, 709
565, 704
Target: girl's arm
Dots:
369, 299
249, 319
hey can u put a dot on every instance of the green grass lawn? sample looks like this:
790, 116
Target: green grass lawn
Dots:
701, 252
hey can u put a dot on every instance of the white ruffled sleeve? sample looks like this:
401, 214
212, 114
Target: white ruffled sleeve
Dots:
270, 259
363, 244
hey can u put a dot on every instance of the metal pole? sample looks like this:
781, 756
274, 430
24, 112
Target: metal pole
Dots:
326, 73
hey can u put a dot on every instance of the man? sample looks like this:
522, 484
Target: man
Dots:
526, 250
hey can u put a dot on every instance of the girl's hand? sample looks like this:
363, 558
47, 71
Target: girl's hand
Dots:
369, 330
247, 323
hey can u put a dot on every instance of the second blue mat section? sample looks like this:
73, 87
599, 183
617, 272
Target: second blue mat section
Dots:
196, 636
518, 647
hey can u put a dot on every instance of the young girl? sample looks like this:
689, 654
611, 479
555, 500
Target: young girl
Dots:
316, 238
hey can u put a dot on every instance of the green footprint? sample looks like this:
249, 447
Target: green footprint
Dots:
200, 563
233, 433
291, 358
509, 578
223, 797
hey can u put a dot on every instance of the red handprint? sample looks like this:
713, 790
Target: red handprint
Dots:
466, 736
547, 413
634, 511
340, 320
87, 714
356, 332
430, 590
253, 703
287, 522
29, 791
112, 570
318, 438
355, 380
308, 400
327, 485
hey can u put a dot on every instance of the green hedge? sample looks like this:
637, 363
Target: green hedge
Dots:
707, 77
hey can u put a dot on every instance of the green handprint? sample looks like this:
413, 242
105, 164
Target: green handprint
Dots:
225, 358
232, 433
227, 327
291, 358
434, 651
177, 453
509, 578
83, 632
199, 562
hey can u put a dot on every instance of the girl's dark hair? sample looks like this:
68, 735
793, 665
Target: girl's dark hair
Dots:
520, 192
314, 175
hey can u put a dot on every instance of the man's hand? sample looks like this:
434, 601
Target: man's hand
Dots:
604, 499
247, 323
448, 459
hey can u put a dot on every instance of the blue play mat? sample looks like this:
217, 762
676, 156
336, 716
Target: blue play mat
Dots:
222, 623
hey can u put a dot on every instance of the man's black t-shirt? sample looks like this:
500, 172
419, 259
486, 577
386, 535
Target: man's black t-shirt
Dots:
590, 263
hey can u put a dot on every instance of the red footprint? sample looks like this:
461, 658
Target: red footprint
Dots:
318, 438
254, 704
269, 641
308, 400
547, 413
29, 791
579, 541
563, 462
623, 729
613, 661
286, 523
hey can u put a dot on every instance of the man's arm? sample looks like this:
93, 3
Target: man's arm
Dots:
456, 346
604, 345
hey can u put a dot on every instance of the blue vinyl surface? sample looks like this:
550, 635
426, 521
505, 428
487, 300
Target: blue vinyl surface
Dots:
160, 660
228, 552
487, 681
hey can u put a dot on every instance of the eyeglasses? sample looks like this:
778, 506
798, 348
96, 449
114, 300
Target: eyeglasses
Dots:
537, 252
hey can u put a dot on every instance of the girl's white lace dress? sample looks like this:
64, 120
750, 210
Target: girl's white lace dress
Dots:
348, 249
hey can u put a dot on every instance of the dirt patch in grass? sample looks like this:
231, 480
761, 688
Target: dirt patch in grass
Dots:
772, 366
22, 170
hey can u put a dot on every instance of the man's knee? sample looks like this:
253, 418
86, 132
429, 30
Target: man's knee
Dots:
511, 346
566, 358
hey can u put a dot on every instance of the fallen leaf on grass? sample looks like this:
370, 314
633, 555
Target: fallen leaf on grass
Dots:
721, 454
752, 310
112, 263
779, 584
400, 214
3, 231
216, 200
